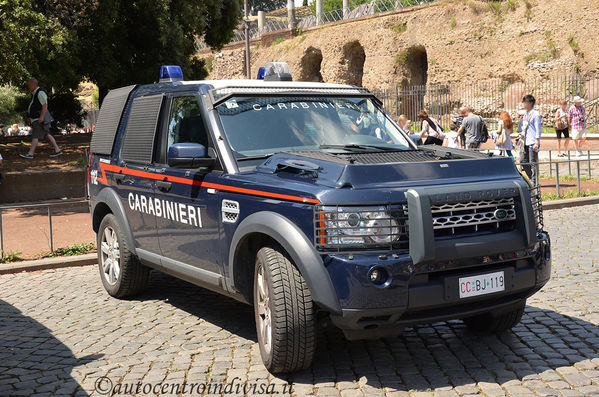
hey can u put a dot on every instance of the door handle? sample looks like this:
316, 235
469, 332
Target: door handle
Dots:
164, 185
119, 178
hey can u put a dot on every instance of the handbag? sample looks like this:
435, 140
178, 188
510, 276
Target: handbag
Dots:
501, 138
560, 124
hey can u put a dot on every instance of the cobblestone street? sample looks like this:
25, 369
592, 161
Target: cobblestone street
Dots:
60, 333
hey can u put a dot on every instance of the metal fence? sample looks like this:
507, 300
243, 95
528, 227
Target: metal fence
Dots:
47, 205
356, 9
490, 97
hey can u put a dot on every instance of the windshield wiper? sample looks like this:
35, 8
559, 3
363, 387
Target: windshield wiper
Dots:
360, 147
260, 157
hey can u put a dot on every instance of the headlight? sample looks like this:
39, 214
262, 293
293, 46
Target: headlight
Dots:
357, 226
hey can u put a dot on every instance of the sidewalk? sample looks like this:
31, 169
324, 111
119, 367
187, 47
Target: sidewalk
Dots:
27, 230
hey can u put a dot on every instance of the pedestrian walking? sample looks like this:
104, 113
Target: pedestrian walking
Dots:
502, 137
472, 128
431, 133
562, 127
530, 138
578, 124
40, 119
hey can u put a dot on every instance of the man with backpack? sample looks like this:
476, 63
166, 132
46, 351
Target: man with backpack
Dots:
40, 119
475, 130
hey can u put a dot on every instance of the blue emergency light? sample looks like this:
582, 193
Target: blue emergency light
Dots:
275, 71
170, 73
261, 73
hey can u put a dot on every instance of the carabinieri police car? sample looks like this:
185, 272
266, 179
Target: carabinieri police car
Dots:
307, 201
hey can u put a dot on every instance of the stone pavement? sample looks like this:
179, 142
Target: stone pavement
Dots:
60, 333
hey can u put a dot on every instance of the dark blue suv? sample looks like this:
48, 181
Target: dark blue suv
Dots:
308, 202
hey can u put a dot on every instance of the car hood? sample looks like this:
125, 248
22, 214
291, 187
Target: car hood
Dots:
376, 177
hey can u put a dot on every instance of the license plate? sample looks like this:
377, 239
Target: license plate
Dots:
481, 285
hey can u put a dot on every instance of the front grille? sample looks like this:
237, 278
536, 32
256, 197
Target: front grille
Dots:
485, 216
537, 206
357, 228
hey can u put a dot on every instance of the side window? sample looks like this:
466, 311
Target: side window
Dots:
185, 122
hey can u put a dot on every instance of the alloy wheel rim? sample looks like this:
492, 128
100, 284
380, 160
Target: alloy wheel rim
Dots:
111, 255
264, 313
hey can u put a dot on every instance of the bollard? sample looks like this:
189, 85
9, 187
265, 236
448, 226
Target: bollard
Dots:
50, 224
557, 179
578, 176
589, 160
550, 166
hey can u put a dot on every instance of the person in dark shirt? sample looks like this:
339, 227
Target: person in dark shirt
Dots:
40, 119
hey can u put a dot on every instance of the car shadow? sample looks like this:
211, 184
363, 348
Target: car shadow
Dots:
427, 357
32, 360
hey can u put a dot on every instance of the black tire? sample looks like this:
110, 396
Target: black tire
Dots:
290, 309
495, 323
129, 277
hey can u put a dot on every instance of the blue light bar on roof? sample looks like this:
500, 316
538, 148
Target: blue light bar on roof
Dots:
261, 73
170, 73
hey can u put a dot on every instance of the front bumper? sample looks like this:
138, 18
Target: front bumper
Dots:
428, 292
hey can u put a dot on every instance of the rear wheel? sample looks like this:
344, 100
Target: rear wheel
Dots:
121, 273
496, 323
284, 313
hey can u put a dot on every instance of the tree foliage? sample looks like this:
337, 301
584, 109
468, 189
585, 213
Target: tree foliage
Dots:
110, 42
265, 5
332, 5
127, 41
9, 114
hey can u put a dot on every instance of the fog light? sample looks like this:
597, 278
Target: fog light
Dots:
378, 276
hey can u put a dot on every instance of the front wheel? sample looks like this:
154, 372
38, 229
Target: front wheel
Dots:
496, 323
284, 313
121, 273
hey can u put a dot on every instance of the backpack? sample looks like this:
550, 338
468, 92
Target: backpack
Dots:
484, 131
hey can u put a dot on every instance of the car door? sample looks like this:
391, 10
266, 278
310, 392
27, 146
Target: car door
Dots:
188, 230
135, 179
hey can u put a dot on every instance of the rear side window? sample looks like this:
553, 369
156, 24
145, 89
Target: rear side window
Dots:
185, 122
138, 144
109, 119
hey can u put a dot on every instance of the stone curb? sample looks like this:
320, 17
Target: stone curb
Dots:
49, 263
567, 203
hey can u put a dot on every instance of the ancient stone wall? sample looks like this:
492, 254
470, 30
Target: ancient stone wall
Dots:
447, 41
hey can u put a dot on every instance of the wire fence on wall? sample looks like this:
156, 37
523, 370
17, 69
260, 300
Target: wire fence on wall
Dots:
355, 10
489, 98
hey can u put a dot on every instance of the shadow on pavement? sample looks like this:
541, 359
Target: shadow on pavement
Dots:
441, 355
32, 360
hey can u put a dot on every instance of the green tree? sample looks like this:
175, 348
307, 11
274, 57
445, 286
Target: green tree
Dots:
332, 5
9, 114
36, 40
125, 42
265, 5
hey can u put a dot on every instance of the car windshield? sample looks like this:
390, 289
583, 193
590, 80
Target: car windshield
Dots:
257, 127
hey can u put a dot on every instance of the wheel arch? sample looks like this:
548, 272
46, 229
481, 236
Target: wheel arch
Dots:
264, 228
108, 202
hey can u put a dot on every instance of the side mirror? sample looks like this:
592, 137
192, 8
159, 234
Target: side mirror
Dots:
189, 155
